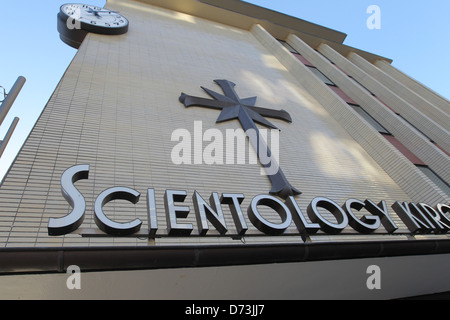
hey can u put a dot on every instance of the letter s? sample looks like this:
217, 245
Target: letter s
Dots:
71, 222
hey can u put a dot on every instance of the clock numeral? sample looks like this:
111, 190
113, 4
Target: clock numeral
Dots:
93, 22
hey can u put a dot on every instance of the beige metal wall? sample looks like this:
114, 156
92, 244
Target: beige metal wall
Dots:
399, 168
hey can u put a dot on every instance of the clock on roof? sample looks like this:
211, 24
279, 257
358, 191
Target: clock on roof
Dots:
75, 20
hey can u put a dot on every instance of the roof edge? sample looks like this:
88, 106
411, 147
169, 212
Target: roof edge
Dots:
278, 18
244, 15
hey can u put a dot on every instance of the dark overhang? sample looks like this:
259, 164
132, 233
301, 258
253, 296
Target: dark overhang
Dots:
54, 260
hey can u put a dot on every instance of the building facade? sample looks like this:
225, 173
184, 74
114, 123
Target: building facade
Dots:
151, 116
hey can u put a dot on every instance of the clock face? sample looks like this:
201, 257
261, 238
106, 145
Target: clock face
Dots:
95, 19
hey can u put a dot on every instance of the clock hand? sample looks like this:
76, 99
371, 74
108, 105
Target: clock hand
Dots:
94, 12
97, 11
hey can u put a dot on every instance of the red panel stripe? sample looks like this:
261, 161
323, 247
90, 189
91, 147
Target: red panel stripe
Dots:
341, 94
406, 152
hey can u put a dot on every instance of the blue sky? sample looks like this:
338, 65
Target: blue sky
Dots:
415, 34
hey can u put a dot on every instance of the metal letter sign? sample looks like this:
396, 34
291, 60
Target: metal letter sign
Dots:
107, 225
73, 220
418, 218
247, 113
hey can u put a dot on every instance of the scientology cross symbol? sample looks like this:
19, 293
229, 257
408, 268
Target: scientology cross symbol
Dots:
247, 113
